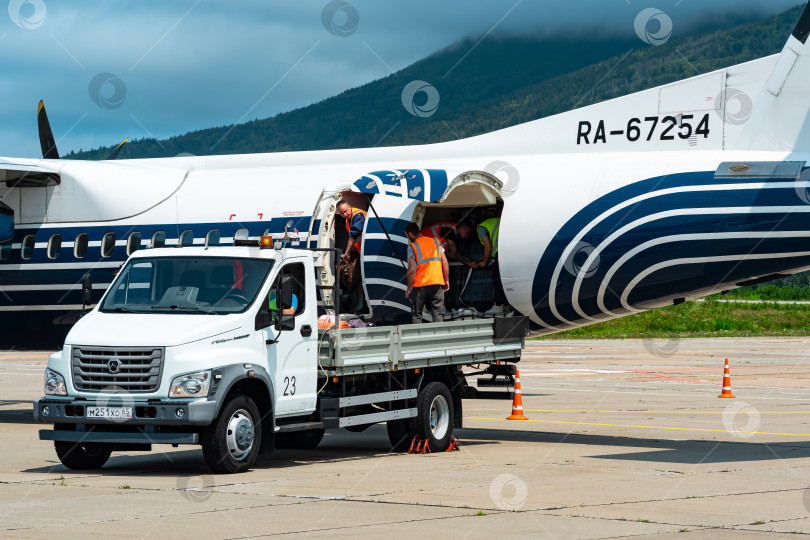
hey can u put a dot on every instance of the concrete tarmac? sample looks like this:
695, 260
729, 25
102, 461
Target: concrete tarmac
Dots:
624, 438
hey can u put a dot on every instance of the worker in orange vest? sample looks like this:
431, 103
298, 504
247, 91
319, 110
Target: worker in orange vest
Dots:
445, 233
355, 220
428, 275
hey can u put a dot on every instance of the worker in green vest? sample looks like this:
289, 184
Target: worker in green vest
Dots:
487, 232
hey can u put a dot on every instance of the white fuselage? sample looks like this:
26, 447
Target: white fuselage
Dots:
607, 210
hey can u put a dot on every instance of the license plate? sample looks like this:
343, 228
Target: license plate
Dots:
116, 413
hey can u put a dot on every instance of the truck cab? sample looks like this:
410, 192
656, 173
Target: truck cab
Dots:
178, 332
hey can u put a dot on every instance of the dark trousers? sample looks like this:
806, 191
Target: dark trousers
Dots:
431, 296
500, 294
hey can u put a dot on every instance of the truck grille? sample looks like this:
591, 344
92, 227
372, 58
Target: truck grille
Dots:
112, 369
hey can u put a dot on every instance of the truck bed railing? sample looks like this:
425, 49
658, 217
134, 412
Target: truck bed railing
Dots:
378, 349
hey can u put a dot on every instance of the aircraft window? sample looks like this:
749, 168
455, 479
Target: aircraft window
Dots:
28, 247
212, 238
5, 252
80, 246
241, 234
133, 243
159, 239
108, 244
54, 246
186, 239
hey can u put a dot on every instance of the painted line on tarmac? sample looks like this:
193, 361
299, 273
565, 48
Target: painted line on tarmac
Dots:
668, 378
558, 373
526, 387
735, 366
24, 364
641, 426
555, 374
637, 412
774, 388
572, 371
27, 364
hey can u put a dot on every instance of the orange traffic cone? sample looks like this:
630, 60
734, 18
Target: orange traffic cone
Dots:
726, 383
517, 402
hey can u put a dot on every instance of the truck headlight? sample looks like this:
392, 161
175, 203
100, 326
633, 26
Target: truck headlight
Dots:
191, 385
54, 383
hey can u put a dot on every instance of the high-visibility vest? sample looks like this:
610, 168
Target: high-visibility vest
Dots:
434, 231
273, 305
328, 321
492, 226
428, 262
357, 244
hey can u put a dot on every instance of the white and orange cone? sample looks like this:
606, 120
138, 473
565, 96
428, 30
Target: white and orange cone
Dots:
517, 401
726, 393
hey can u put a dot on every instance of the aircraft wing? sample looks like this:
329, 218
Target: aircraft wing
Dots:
21, 175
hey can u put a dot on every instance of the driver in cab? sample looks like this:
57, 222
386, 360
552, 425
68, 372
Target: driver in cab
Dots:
273, 304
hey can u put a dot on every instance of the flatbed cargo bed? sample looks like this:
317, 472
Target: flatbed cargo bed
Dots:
391, 348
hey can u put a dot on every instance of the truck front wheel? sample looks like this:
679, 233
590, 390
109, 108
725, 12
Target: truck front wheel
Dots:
231, 443
434, 420
82, 456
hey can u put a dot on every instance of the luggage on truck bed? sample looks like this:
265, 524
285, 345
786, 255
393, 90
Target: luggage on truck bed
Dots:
479, 293
471, 289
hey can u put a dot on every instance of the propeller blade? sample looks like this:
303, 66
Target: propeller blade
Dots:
114, 153
46, 140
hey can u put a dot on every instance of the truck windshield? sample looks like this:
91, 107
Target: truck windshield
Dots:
203, 285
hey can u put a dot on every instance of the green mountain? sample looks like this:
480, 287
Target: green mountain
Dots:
499, 83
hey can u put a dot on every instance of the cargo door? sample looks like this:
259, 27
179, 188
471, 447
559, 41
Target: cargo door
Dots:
399, 197
33, 182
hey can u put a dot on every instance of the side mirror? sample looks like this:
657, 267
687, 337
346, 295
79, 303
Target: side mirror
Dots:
87, 290
283, 296
285, 292
285, 323
264, 318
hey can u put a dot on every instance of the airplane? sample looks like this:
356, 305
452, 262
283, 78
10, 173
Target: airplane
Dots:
653, 198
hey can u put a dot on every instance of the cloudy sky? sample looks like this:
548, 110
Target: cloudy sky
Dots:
111, 69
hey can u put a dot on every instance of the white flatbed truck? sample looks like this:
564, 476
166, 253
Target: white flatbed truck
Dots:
191, 346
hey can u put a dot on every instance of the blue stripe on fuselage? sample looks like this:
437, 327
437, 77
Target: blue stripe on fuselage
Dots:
709, 223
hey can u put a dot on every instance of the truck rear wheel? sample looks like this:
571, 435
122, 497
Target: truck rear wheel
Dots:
231, 443
301, 440
82, 456
434, 419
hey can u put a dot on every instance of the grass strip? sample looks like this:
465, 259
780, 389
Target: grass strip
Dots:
704, 319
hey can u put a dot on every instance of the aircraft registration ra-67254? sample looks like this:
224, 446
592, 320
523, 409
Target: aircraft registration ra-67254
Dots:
667, 194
